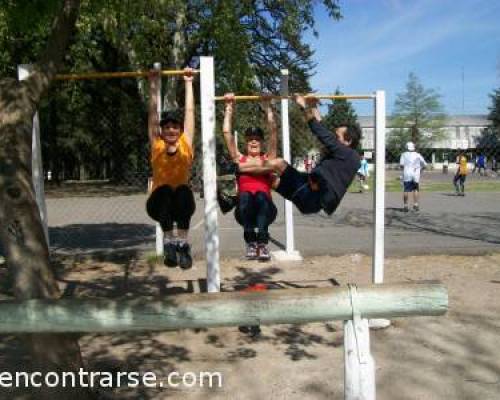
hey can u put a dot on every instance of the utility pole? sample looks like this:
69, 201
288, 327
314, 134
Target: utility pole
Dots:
463, 90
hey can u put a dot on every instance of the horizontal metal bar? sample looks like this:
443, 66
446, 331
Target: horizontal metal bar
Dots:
286, 306
317, 96
114, 75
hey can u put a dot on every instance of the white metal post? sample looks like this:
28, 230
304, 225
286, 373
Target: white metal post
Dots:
23, 72
290, 254
207, 91
359, 365
379, 192
159, 231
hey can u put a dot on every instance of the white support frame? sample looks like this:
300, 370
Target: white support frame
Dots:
359, 365
289, 254
207, 97
379, 189
158, 230
23, 72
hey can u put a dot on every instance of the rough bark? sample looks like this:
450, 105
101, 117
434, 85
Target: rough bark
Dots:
21, 230
178, 46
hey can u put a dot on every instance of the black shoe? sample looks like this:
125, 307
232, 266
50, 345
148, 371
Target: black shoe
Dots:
185, 259
251, 331
170, 252
263, 252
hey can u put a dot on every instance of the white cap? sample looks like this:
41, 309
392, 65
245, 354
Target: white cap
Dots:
410, 146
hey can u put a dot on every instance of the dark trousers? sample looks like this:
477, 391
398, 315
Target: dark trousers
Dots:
167, 205
255, 212
459, 182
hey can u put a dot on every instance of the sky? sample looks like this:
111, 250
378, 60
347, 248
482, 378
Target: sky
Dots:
379, 42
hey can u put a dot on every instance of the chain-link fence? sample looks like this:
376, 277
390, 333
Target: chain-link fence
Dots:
95, 152
96, 165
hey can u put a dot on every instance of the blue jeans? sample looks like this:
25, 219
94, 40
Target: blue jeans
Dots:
255, 212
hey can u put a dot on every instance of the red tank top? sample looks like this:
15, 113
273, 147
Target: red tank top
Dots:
254, 183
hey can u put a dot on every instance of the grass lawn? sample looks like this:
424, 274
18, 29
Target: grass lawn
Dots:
394, 185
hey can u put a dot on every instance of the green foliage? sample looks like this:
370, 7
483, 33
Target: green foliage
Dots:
489, 141
340, 112
251, 41
418, 116
494, 115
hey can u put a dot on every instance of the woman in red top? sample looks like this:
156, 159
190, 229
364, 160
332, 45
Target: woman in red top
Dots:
255, 210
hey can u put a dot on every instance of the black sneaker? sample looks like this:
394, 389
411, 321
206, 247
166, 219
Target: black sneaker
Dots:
251, 251
251, 331
416, 208
263, 252
185, 259
170, 252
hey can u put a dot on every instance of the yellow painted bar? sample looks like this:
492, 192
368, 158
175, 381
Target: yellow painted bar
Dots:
114, 75
317, 96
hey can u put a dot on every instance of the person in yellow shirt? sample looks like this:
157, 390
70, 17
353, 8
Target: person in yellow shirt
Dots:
459, 179
171, 201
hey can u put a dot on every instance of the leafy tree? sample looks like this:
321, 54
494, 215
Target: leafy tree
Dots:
489, 141
494, 115
340, 112
21, 231
251, 39
418, 116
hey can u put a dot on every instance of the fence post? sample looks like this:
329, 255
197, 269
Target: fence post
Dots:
23, 72
207, 90
158, 230
289, 254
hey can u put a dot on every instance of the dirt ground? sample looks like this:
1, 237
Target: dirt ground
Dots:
456, 356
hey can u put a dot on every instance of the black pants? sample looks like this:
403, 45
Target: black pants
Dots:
255, 211
167, 205
459, 182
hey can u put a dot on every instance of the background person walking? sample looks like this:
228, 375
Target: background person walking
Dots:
459, 178
412, 163
362, 175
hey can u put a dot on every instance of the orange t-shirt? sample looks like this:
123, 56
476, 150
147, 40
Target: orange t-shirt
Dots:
173, 170
462, 165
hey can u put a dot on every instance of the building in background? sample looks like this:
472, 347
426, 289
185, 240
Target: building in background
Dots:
460, 132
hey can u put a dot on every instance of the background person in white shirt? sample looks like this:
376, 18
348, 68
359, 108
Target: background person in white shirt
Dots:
412, 163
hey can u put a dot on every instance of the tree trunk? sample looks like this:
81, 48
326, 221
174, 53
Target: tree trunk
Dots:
414, 134
21, 230
178, 49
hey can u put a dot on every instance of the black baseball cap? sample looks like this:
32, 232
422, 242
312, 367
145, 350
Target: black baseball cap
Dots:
171, 116
254, 131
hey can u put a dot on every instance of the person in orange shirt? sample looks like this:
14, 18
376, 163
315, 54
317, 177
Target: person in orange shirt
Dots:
171, 200
461, 175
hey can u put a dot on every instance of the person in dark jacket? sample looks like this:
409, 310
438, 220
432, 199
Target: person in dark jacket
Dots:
325, 186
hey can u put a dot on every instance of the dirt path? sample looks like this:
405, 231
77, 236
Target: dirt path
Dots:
452, 357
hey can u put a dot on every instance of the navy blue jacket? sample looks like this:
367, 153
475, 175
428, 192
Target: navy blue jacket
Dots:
336, 169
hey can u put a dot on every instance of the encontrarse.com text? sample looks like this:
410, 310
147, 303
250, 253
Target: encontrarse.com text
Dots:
108, 379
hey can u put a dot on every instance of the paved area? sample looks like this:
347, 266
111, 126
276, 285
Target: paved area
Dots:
446, 224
